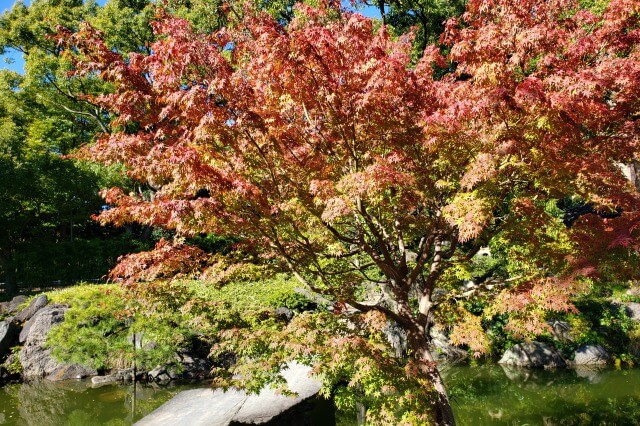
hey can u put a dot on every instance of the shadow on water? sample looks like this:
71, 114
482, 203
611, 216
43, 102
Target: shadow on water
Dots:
500, 395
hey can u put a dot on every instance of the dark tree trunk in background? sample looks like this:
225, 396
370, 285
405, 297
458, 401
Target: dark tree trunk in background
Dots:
635, 173
10, 282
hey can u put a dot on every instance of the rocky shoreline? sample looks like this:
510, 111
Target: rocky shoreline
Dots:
25, 356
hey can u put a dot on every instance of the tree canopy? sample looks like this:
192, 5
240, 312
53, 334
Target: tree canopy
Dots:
48, 200
319, 143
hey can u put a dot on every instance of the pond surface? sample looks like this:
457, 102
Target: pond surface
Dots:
481, 395
77, 404
496, 395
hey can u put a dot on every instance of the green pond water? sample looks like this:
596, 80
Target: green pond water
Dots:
76, 403
496, 395
481, 395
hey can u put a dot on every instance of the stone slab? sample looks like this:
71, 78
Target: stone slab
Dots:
268, 404
197, 407
200, 407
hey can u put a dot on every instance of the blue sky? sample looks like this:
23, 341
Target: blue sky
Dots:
13, 60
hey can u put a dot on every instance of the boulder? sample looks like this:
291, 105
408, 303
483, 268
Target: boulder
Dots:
185, 367
163, 374
633, 310
8, 371
216, 407
15, 303
117, 376
634, 290
11, 359
284, 314
397, 338
560, 330
36, 359
533, 355
591, 355
268, 403
41, 323
8, 337
127, 374
99, 381
441, 347
35, 305
70, 371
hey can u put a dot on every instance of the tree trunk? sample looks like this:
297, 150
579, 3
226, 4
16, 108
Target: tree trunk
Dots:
635, 174
443, 412
10, 283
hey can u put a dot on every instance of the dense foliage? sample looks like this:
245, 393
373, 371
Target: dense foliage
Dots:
375, 166
283, 135
47, 201
320, 143
183, 315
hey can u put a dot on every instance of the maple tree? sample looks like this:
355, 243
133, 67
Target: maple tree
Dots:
320, 144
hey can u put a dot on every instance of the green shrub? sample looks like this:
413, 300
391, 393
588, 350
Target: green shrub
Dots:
263, 291
102, 319
14, 367
99, 326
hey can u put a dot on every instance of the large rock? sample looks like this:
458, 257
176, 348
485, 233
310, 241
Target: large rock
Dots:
397, 338
284, 314
442, 349
70, 372
35, 305
591, 355
8, 337
633, 310
99, 381
37, 328
560, 330
8, 308
185, 367
533, 355
36, 359
634, 290
119, 376
216, 407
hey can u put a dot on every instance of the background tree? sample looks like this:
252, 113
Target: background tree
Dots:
39, 190
47, 201
46, 232
427, 17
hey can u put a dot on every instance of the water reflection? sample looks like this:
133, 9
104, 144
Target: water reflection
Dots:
492, 394
76, 403
482, 395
